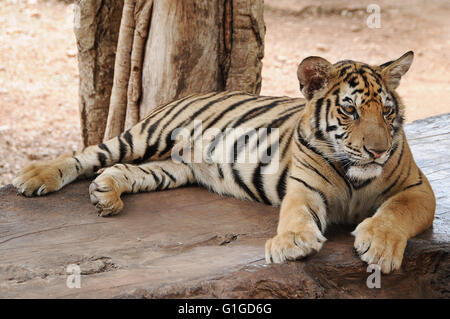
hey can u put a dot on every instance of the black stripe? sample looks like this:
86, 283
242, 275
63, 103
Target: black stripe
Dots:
151, 149
339, 121
322, 195
327, 112
372, 73
155, 177
129, 139
407, 174
287, 143
228, 109
335, 89
295, 107
398, 118
145, 171
238, 180
395, 168
343, 71
358, 184
318, 132
315, 217
357, 91
122, 149
395, 182
219, 169
342, 113
281, 185
251, 113
102, 159
280, 121
181, 111
353, 83
349, 75
235, 151
79, 166
161, 184
169, 144
305, 153
212, 147
160, 109
257, 177
169, 141
341, 63
339, 136
313, 149
366, 82
105, 148
211, 103
170, 175
259, 184
416, 184
310, 167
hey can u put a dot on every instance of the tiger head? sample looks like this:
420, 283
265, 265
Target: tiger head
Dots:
353, 114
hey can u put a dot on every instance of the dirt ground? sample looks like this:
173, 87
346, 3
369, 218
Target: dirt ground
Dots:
39, 76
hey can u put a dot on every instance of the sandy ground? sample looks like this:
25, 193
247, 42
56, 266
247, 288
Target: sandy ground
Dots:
39, 77
38, 84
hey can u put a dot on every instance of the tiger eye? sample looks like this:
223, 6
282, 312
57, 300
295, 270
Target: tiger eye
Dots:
387, 110
349, 109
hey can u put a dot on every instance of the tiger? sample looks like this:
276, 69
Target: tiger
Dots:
338, 155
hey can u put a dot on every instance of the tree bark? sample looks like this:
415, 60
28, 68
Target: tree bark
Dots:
118, 101
166, 49
201, 46
96, 28
142, 18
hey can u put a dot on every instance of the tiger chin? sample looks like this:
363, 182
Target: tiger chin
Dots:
341, 157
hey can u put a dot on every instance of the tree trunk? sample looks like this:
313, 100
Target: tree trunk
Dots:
201, 46
96, 28
168, 49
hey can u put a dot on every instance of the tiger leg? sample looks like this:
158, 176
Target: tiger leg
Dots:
382, 238
106, 189
43, 177
302, 221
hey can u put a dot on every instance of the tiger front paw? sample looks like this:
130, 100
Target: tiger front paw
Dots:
293, 245
39, 179
377, 243
105, 195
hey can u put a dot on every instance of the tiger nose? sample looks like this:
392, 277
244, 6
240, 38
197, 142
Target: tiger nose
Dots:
376, 153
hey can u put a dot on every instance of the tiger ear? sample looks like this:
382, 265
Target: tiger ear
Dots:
393, 71
314, 74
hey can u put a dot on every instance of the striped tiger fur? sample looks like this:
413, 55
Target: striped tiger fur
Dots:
339, 156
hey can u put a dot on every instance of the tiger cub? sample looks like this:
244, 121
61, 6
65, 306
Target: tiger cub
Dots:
338, 156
